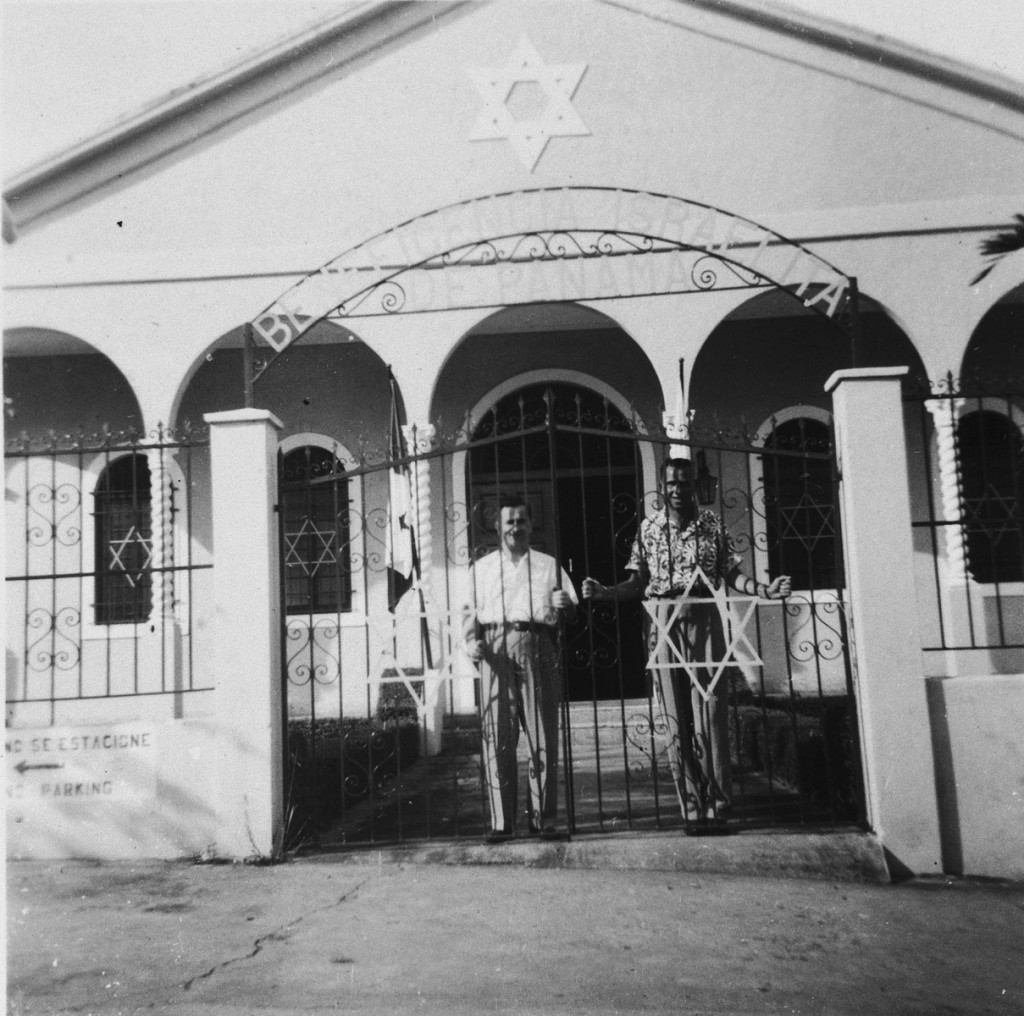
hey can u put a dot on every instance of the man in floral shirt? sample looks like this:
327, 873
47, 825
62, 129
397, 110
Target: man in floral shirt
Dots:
684, 551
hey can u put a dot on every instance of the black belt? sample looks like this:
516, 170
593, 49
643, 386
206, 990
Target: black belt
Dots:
694, 592
533, 626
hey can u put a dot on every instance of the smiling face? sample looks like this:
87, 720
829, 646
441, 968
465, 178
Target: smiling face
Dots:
678, 486
514, 528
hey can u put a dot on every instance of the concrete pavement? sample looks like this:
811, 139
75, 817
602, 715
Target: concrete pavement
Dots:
527, 934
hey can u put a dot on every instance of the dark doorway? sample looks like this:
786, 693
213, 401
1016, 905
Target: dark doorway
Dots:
584, 509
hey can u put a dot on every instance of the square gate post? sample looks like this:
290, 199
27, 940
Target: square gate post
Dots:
247, 633
892, 708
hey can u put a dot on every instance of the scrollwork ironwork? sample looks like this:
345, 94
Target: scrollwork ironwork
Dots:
813, 614
646, 733
312, 657
64, 651
59, 523
705, 271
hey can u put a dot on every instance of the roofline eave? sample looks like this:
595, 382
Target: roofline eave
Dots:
876, 49
214, 102
143, 139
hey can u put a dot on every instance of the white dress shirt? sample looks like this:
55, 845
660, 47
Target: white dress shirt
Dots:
505, 591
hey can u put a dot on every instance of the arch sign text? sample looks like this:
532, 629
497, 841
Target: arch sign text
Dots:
553, 244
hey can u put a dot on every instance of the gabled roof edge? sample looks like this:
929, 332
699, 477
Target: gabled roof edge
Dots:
215, 101
873, 48
207, 105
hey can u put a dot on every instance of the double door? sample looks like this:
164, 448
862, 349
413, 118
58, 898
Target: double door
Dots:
587, 519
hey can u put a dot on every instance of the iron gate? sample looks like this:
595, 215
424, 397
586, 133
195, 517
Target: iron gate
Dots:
382, 702
108, 575
969, 515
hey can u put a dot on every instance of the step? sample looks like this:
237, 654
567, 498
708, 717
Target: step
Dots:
460, 734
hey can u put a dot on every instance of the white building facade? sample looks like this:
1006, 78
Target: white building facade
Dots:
274, 347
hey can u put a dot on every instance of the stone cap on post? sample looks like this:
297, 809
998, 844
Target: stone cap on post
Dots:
243, 416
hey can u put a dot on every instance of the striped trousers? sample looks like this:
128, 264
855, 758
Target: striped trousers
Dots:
520, 691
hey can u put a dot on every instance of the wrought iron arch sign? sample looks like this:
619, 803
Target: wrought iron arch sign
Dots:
594, 243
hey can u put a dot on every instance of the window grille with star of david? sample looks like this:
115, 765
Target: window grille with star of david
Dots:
124, 542
991, 458
317, 545
800, 516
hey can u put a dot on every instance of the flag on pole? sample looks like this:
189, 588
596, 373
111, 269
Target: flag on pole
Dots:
401, 548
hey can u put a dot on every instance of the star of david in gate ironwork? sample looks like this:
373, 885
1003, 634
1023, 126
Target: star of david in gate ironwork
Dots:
529, 136
735, 613
322, 544
444, 630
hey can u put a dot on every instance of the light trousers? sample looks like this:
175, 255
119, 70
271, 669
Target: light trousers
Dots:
520, 690
696, 717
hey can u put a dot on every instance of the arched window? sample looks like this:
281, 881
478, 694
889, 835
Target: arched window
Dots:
992, 490
124, 542
317, 547
800, 517
512, 454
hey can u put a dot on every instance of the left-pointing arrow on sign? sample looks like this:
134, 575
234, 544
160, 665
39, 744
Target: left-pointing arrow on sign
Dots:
23, 767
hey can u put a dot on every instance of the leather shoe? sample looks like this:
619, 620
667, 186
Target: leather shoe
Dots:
550, 833
498, 836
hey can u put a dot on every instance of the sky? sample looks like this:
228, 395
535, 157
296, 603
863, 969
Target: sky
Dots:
72, 67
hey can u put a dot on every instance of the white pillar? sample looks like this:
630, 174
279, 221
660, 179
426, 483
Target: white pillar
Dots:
247, 633
165, 604
420, 439
945, 413
956, 593
892, 708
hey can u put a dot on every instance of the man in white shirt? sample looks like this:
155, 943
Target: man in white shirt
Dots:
517, 598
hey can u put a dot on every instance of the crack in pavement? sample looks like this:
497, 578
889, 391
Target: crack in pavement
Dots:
272, 936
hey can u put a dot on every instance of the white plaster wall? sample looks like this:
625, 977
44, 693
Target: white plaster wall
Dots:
977, 723
161, 804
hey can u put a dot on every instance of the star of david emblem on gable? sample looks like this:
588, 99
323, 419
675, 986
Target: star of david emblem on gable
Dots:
529, 136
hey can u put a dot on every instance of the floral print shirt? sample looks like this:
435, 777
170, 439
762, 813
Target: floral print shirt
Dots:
666, 555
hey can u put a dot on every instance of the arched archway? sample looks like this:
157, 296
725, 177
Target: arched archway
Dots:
58, 383
769, 336
582, 479
555, 341
333, 384
996, 348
